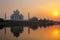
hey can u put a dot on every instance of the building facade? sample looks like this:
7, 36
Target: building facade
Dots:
17, 16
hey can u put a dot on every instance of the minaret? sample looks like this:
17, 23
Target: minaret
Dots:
5, 27
29, 23
28, 16
5, 16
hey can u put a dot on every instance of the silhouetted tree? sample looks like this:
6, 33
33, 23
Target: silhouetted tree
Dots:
1, 23
1, 20
45, 22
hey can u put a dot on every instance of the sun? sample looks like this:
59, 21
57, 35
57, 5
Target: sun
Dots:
55, 13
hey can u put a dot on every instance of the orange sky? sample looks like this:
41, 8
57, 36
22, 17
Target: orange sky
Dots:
38, 8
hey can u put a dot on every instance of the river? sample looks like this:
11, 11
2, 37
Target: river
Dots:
48, 33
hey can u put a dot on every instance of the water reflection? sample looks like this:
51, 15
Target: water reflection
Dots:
1, 26
18, 31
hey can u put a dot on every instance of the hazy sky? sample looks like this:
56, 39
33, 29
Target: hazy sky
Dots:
38, 8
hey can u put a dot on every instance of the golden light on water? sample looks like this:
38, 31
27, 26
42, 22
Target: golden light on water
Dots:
56, 32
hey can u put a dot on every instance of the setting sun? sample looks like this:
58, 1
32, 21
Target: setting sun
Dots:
55, 14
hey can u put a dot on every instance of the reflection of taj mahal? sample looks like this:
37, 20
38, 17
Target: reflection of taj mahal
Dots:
16, 16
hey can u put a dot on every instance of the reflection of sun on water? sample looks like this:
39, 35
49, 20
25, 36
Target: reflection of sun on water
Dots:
56, 32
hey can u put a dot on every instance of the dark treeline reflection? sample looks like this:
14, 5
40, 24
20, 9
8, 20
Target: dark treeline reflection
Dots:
18, 30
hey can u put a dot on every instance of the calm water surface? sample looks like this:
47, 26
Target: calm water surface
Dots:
48, 33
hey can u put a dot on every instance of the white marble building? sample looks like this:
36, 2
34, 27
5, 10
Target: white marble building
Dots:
16, 16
